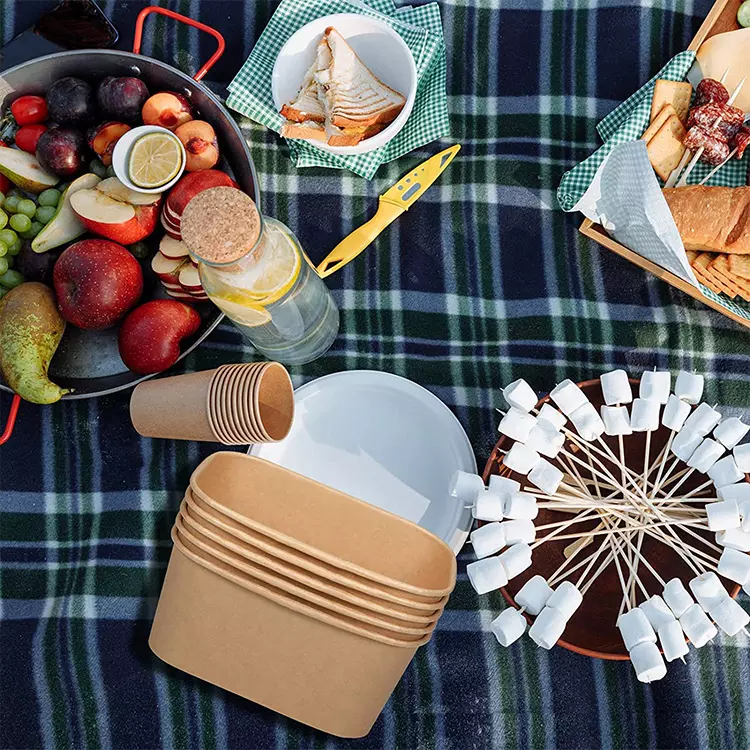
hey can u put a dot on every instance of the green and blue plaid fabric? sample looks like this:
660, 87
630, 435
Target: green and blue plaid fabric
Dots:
484, 280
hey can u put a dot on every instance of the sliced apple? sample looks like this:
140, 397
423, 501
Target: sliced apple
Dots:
113, 219
121, 192
23, 170
190, 279
171, 215
64, 226
186, 297
172, 248
167, 269
169, 229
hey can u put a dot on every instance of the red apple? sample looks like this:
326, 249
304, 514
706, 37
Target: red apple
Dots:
114, 219
168, 269
150, 336
190, 185
172, 248
96, 283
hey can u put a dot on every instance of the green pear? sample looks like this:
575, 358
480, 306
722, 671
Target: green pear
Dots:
30, 330
24, 170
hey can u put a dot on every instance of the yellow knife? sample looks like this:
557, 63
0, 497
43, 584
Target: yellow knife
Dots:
392, 204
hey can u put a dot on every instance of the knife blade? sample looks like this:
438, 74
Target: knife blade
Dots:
391, 205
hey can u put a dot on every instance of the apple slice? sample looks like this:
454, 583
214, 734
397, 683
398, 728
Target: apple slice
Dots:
172, 248
24, 170
171, 215
113, 219
185, 296
64, 226
169, 229
121, 192
189, 278
167, 269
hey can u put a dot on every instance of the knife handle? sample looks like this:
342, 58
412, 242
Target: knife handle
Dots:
350, 247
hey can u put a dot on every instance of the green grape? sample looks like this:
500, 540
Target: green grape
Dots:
49, 197
4, 267
14, 192
11, 260
98, 168
743, 14
27, 206
15, 248
3, 249
33, 230
44, 214
140, 250
20, 222
3, 218
8, 236
10, 278
110, 171
11, 203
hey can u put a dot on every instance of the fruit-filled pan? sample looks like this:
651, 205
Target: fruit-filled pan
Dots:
88, 361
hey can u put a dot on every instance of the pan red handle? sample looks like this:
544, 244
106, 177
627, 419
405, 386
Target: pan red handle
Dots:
11, 423
190, 22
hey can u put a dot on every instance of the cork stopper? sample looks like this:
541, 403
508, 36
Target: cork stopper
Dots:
220, 225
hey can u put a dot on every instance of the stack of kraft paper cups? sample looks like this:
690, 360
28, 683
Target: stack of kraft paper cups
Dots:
233, 404
297, 596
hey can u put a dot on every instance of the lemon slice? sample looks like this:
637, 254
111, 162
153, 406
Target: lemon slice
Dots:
276, 271
155, 159
246, 313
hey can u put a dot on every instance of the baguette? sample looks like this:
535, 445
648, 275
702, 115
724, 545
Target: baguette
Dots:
712, 219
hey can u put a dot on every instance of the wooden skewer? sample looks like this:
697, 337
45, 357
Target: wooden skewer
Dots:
718, 167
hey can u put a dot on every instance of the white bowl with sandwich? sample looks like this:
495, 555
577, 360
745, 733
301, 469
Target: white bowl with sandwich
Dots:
345, 83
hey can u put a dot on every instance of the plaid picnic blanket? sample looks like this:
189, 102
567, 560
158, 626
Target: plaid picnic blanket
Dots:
483, 281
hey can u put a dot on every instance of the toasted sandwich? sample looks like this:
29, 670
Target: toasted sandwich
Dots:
340, 101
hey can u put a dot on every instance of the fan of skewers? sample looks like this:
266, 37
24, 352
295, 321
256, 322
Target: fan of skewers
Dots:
648, 492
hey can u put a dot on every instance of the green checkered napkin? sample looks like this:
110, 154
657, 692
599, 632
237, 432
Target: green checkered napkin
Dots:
421, 29
628, 123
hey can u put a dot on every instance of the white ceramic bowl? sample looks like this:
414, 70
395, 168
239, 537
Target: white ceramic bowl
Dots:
121, 157
378, 46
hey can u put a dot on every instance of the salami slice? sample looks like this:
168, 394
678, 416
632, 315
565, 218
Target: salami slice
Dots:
715, 149
742, 140
729, 118
709, 90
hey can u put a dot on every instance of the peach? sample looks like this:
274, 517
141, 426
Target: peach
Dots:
102, 139
201, 146
167, 109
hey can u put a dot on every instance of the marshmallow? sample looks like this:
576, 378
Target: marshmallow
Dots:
707, 590
548, 628
465, 486
677, 597
487, 575
742, 457
706, 455
508, 626
516, 559
546, 476
657, 611
520, 395
520, 505
655, 385
675, 413
568, 397
635, 629
725, 472
739, 492
566, 598
688, 387
723, 515
729, 615
730, 431
616, 387
521, 530
533, 595
545, 440
672, 640
734, 539
520, 458
616, 420
644, 415
516, 424
587, 421
488, 539
698, 628
488, 507
550, 417
685, 443
734, 565
648, 663
503, 485
703, 420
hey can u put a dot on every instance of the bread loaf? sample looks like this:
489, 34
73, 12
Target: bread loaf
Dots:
712, 219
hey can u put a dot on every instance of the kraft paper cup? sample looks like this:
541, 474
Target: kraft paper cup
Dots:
221, 539
328, 674
273, 399
229, 407
327, 524
175, 408
257, 573
219, 522
218, 393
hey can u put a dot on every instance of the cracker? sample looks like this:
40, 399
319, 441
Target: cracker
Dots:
676, 93
720, 266
657, 122
739, 265
706, 276
665, 149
